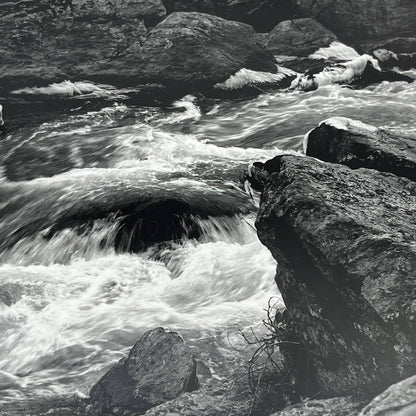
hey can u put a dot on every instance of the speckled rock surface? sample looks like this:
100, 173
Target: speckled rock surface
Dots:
159, 368
344, 242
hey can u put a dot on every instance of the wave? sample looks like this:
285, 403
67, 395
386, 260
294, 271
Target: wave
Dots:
68, 89
336, 51
246, 77
344, 73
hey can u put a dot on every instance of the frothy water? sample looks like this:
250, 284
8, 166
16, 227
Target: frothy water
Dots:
74, 296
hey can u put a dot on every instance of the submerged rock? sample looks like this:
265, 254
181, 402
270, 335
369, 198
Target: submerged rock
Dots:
344, 243
358, 145
159, 368
298, 37
397, 400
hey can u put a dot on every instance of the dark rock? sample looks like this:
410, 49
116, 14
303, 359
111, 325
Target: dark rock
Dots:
358, 145
398, 400
159, 368
298, 37
395, 45
338, 406
262, 15
357, 19
49, 43
196, 50
344, 243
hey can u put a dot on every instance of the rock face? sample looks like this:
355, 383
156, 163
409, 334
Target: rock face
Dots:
262, 15
159, 368
197, 50
355, 144
397, 400
298, 37
42, 40
358, 19
344, 243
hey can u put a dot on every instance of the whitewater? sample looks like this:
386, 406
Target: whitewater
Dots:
87, 263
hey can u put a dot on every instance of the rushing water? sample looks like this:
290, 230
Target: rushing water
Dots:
74, 295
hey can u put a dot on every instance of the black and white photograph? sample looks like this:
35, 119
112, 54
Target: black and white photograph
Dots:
208, 207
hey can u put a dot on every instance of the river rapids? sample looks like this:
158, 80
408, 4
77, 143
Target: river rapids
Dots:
78, 286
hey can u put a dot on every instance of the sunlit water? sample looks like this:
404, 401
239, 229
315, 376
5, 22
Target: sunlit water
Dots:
71, 304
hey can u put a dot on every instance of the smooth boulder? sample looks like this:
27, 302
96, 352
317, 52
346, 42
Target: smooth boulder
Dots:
262, 15
298, 37
359, 145
194, 51
159, 368
344, 243
357, 19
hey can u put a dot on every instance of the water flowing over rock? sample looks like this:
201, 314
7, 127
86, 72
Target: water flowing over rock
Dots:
357, 19
197, 50
159, 368
262, 15
298, 37
398, 400
358, 145
344, 244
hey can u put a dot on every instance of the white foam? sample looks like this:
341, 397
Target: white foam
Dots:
337, 51
1, 116
344, 123
192, 111
66, 88
336, 74
249, 77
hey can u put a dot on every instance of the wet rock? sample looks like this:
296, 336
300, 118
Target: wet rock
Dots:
397, 400
298, 37
357, 19
344, 243
159, 368
338, 406
358, 145
263, 15
194, 51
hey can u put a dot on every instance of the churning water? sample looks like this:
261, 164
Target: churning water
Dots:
78, 286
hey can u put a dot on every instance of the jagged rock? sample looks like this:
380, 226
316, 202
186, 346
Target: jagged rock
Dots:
396, 45
159, 368
338, 406
344, 243
358, 145
262, 15
357, 19
197, 50
397, 400
298, 37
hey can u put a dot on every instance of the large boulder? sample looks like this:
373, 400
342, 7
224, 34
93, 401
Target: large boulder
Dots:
358, 19
197, 50
298, 37
357, 145
344, 243
262, 15
44, 42
398, 400
159, 368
